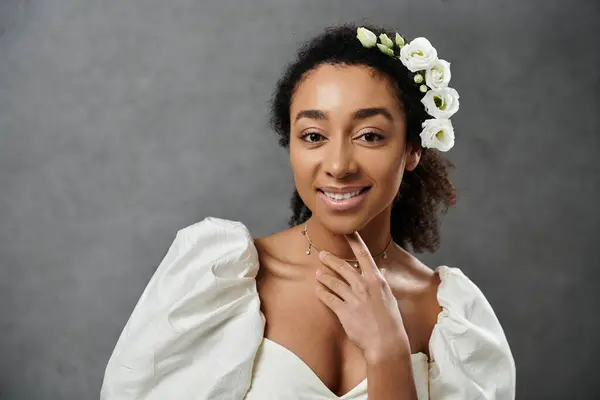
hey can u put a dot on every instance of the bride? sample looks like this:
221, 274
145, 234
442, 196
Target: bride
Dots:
335, 307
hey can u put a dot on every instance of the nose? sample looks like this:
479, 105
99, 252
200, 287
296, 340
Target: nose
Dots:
339, 159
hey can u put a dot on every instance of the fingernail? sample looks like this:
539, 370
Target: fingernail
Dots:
319, 272
323, 254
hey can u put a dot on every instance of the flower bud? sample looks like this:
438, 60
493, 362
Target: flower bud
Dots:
386, 41
385, 50
399, 40
366, 37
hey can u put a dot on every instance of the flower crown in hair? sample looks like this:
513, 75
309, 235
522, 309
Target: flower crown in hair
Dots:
432, 75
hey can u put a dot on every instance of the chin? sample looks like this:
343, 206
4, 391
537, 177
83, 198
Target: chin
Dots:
343, 224
348, 222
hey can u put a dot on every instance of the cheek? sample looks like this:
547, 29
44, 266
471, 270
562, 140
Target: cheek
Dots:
303, 170
299, 162
388, 177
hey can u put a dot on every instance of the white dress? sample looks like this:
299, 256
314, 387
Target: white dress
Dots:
197, 333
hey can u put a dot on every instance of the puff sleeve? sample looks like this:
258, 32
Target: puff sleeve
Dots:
196, 327
470, 356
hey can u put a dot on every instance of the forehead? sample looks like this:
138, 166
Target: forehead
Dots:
344, 88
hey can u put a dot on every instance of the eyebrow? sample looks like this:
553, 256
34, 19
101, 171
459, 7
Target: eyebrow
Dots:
361, 114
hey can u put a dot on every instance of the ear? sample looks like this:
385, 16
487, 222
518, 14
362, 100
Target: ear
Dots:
413, 156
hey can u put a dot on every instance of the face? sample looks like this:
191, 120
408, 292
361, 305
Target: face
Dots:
348, 141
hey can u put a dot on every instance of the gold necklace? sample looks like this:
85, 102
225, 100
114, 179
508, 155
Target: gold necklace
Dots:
354, 262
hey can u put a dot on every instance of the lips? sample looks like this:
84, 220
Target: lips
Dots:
343, 199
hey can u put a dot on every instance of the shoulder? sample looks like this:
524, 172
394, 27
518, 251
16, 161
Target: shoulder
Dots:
469, 355
201, 296
436, 293
280, 251
415, 287
212, 228
218, 243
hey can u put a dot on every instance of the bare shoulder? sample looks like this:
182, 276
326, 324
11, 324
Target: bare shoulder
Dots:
269, 244
278, 251
415, 285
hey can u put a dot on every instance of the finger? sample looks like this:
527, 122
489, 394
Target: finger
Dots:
341, 267
330, 300
337, 286
362, 254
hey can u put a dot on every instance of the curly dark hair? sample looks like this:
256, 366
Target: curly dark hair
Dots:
426, 191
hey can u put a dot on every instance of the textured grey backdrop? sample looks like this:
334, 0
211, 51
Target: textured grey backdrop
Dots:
124, 121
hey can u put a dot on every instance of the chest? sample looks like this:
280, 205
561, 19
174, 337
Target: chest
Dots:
306, 329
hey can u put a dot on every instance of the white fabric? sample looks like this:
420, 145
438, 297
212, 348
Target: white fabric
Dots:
280, 374
197, 333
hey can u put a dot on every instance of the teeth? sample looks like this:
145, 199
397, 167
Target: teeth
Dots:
339, 196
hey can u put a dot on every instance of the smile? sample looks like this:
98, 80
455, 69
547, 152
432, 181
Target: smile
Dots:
344, 196
343, 201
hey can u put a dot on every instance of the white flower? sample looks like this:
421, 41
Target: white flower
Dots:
441, 103
418, 55
437, 134
438, 76
366, 37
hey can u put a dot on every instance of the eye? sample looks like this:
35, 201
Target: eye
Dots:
312, 137
372, 137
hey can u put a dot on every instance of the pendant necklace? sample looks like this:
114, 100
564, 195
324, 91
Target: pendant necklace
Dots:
352, 262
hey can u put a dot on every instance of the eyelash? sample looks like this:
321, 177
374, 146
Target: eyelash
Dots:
379, 137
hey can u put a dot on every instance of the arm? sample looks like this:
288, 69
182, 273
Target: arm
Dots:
470, 356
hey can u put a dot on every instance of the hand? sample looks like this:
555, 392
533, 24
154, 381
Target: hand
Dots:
364, 303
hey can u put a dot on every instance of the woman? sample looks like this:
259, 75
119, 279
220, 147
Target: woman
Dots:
335, 301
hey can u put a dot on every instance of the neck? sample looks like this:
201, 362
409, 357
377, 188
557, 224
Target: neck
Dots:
376, 235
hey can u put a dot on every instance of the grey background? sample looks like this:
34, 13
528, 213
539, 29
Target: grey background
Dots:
124, 121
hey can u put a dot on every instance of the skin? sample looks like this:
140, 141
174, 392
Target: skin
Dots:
348, 325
